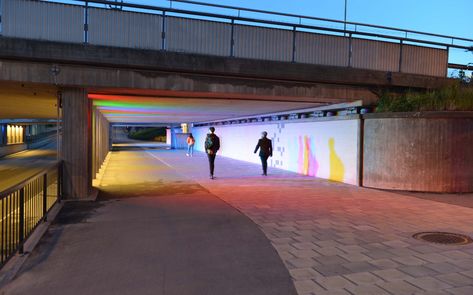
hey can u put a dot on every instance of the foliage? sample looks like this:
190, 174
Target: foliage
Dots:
151, 134
454, 98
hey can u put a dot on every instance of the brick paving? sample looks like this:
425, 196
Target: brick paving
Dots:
341, 239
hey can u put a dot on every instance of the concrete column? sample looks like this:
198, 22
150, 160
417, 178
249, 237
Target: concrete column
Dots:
76, 144
168, 136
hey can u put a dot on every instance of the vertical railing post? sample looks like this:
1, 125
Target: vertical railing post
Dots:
294, 31
59, 182
232, 40
163, 32
45, 196
86, 22
448, 56
21, 234
400, 55
350, 50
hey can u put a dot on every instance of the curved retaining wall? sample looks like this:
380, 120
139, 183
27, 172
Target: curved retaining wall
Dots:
430, 152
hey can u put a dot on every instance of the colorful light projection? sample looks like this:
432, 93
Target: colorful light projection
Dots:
129, 108
324, 149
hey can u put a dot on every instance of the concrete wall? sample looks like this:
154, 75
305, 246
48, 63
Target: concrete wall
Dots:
326, 148
419, 152
179, 141
100, 140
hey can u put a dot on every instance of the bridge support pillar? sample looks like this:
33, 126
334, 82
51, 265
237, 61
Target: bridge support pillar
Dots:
76, 146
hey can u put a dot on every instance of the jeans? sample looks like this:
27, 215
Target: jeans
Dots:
264, 162
190, 149
211, 163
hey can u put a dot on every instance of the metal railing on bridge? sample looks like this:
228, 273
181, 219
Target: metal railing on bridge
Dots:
302, 39
24, 206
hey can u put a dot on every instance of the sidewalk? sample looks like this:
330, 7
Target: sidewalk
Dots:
341, 239
153, 231
159, 229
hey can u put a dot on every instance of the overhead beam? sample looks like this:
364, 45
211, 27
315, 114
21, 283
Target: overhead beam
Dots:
67, 75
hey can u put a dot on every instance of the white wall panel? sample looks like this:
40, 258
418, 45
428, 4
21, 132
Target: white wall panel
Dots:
325, 149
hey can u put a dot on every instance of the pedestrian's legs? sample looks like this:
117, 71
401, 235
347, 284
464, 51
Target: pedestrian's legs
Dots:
264, 163
211, 164
188, 149
191, 150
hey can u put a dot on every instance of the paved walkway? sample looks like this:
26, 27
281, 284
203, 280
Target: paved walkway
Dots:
333, 238
156, 232
340, 239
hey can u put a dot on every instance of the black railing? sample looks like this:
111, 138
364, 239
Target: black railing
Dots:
24, 206
331, 26
39, 137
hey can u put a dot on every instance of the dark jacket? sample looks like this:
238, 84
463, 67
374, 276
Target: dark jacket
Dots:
266, 147
212, 143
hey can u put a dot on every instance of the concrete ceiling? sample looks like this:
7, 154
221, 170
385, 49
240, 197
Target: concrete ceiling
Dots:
36, 101
27, 101
159, 109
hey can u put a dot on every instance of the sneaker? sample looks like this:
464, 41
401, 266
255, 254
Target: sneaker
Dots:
187, 155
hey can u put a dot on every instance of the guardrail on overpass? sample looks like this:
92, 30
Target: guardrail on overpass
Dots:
160, 28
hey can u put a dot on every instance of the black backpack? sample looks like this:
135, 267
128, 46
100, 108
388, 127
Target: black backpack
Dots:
212, 142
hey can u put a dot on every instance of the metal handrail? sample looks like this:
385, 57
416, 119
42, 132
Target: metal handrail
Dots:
321, 19
22, 183
24, 206
292, 25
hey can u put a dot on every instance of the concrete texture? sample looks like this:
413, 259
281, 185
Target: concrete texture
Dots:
419, 152
76, 148
87, 54
341, 239
333, 238
153, 231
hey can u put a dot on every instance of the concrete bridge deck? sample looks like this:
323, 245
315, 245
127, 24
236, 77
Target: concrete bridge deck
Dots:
162, 227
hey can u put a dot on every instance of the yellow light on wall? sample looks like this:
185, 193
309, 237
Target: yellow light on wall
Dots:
14, 134
9, 134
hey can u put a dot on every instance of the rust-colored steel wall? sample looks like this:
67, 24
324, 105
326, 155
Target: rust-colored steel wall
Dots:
431, 153
375, 55
124, 29
263, 43
321, 49
198, 36
424, 61
42, 21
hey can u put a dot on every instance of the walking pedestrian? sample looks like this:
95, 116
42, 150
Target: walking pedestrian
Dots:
265, 147
212, 145
190, 145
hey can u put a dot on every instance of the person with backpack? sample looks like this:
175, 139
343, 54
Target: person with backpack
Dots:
212, 145
190, 145
265, 147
